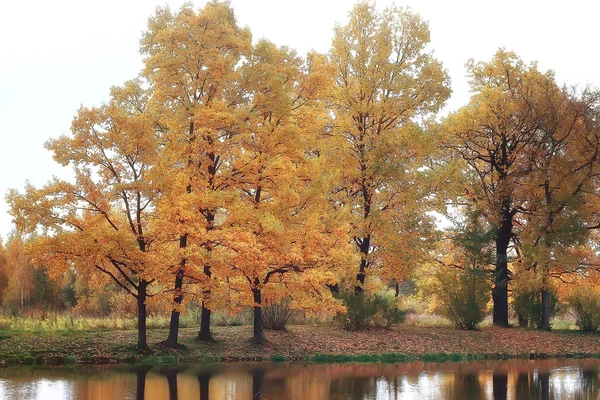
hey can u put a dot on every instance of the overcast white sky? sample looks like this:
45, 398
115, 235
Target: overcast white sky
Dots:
57, 55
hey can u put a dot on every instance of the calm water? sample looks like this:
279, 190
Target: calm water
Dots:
516, 379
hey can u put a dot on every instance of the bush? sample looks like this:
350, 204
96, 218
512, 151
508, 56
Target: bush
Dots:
527, 304
277, 315
585, 304
389, 313
363, 310
463, 296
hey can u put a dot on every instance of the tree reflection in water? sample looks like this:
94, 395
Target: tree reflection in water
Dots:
544, 382
516, 379
467, 387
589, 385
140, 375
203, 382
258, 375
352, 388
500, 385
171, 375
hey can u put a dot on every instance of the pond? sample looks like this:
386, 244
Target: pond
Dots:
513, 379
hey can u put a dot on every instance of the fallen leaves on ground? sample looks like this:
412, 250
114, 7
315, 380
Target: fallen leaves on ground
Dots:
301, 341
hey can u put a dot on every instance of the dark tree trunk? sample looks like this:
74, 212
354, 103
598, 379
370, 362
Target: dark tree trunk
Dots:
500, 290
545, 317
365, 246
334, 289
172, 339
142, 343
205, 334
500, 386
203, 382
259, 337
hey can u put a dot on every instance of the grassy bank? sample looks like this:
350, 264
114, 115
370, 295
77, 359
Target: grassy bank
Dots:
320, 343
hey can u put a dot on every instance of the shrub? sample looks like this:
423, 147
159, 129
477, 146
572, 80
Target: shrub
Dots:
389, 313
276, 315
527, 304
360, 310
463, 296
585, 304
363, 310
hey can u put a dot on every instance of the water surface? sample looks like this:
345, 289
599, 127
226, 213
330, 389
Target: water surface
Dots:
506, 380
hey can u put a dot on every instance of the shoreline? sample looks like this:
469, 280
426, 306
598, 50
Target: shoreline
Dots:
303, 343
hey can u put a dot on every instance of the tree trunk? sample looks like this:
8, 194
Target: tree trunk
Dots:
142, 344
259, 337
205, 334
365, 246
172, 339
500, 290
334, 289
545, 317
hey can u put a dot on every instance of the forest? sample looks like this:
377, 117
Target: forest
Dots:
233, 175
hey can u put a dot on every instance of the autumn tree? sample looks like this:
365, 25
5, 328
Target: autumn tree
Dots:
19, 271
496, 135
287, 239
3, 270
387, 83
552, 231
192, 62
102, 220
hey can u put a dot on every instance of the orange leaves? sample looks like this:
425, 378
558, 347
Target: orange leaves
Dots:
103, 220
236, 162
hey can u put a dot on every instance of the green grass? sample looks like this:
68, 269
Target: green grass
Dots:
399, 358
157, 360
445, 357
362, 358
70, 359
